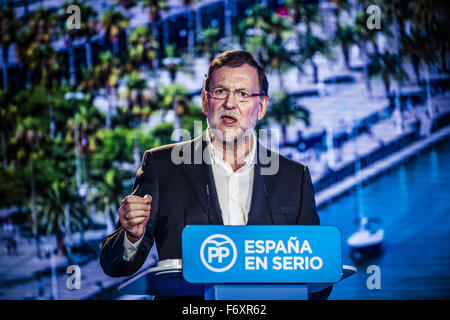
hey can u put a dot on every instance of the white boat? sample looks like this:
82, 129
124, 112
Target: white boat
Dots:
365, 242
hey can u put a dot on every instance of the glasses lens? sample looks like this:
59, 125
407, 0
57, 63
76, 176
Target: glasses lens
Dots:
222, 93
242, 95
219, 93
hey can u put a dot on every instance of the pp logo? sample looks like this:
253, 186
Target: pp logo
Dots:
220, 252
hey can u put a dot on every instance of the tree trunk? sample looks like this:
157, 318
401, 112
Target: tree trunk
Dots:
109, 110
280, 78
346, 53
60, 244
72, 75
4, 57
5, 158
284, 134
154, 14
366, 69
416, 67
88, 50
387, 88
375, 47
315, 72
51, 115
115, 46
34, 222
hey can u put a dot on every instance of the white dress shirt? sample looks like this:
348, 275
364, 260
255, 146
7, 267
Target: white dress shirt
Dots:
234, 190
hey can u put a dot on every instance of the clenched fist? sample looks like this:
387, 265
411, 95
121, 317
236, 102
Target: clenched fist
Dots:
134, 213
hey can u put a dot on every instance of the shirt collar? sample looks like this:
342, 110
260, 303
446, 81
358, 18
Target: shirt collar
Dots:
217, 156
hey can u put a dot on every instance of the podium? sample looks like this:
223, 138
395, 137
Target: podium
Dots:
177, 277
166, 279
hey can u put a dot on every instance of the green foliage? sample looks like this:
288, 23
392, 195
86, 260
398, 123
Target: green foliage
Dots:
170, 94
34, 47
163, 133
388, 67
208, 43
9, 25
113, 21
284, 112
346, 37
143, 47
306, 11
57, 197
193, 118
113, 145
14, 189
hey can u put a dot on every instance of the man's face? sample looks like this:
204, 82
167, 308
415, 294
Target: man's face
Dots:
230, 119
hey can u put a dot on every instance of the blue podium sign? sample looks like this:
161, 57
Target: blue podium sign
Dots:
261, 254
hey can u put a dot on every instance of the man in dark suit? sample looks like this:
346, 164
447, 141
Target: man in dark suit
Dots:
224, 176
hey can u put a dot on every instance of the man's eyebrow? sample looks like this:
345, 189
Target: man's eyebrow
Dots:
224, 87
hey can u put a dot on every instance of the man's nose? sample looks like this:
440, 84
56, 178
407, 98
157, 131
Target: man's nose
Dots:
230, 101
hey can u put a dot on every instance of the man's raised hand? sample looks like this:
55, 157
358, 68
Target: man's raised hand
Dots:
134, 213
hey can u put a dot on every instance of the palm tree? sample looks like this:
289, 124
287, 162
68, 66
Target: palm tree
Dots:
28, 135
143, 48
34, 47
267, 36
89, 26
155, 7
260, 23
345, 37
70, 37
432, 16
305, 11
138, 96
174, 97
106, 75
389, 67
8, 116
417, 48
55, 206
310, 46
208, 42
86, 121
277, 58
340, 6
256, 23
127, 4
108, 193
284, 112
114, 22
9, 24
173, 62
365, 36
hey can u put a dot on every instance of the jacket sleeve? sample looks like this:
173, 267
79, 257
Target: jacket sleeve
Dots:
111, 255
308, 214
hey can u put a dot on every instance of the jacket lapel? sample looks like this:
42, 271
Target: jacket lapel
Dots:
259, 213
201, 180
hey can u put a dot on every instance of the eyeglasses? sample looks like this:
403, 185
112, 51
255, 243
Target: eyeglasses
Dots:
239, 94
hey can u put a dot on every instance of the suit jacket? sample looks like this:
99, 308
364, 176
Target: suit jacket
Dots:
180, 198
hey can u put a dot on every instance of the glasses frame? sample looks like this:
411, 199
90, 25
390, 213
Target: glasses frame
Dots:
228, 91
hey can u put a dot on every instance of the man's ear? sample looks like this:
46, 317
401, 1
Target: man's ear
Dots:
204, 101
263, 107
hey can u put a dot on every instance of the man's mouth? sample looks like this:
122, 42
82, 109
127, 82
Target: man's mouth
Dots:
228, 120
